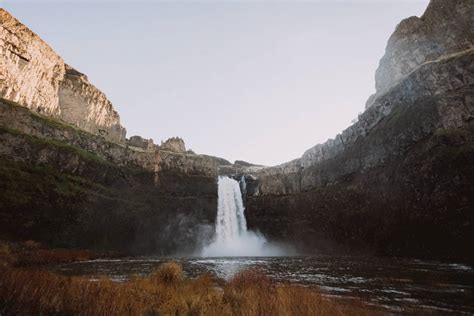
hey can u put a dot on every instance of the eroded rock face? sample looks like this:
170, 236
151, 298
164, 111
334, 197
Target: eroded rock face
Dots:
140, 142
174, 144
34, 76
30, 71
69, 188
405, 188
400, 180
452, 73
68, 176
151, 160
445, 28
86, 107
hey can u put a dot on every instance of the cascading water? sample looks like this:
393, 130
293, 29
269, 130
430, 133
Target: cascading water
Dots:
232, 237
231, 221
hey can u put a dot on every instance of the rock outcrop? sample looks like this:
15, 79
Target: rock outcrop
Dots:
445, 28
66, 187
139, 142
86, 107
447, 75
30, 71
174, 144
34, 76
399, 181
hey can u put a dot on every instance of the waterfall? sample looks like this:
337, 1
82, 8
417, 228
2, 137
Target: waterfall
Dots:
230, 223
231, 235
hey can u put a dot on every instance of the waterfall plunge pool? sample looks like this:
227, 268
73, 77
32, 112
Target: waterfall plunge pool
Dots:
392, 283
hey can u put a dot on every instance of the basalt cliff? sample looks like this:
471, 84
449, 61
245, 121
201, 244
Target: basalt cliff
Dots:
68, 175
399, 181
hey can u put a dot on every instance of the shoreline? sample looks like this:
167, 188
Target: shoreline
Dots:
28, 287
35, 276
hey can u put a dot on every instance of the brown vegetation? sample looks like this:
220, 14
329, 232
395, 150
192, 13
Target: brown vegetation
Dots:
30, 253
164, 292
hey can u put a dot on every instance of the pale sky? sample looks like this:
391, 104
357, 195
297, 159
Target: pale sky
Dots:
255, 81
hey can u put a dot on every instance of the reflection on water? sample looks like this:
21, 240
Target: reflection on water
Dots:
393, 283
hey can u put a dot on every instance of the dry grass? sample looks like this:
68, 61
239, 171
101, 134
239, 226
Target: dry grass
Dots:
51, 256
164, 292
252, 293
31, 254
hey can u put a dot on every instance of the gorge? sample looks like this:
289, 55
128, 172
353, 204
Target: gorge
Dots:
398, 182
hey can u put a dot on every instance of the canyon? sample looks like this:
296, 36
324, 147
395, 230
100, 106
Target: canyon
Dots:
398, 182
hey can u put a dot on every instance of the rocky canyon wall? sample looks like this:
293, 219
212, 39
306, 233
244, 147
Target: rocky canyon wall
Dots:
445, 28
400, 180
397, 182
34, 76
66, 187
68, 176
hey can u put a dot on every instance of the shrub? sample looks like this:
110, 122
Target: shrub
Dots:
168, 273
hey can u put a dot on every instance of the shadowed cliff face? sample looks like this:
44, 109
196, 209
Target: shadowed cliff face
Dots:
66, 187
399, 181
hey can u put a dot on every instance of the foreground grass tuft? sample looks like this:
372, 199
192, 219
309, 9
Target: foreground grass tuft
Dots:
168, 273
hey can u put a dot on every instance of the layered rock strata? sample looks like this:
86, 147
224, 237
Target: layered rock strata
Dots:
68, 176
66, 187
400, 180
445, 28
34, 76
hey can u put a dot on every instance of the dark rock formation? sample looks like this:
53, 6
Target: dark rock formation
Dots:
400, 181
66, 187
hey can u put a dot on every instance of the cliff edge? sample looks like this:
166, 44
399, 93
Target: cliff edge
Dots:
68, 175
34, 76
399, 181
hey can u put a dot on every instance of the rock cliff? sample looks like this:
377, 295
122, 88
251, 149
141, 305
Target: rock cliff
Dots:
174, 144
445, 28
34, 76
67, 187
399, 181
68, 176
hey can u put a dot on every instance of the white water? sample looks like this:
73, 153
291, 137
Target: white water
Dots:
232, 237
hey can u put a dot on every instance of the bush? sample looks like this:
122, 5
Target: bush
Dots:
168, 273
